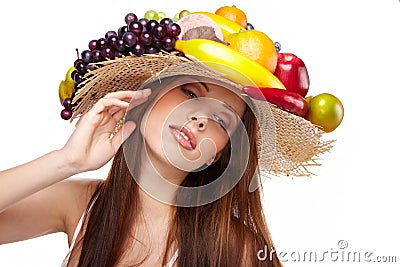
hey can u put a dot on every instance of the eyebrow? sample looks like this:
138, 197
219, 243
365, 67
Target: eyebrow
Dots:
205, 86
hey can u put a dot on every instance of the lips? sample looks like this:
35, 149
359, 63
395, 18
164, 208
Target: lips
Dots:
183, 136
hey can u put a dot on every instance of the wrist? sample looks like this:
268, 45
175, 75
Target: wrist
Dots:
67, 163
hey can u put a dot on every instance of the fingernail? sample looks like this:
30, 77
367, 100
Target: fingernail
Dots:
142, 93
146, 91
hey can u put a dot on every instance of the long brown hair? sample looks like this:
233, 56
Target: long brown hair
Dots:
227, 232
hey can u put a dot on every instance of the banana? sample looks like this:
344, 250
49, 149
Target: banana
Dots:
228, 61
227, 26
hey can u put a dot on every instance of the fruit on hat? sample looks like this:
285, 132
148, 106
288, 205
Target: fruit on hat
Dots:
208, 51
284, 99
325, 110
66, 87
227, 26
234, 14
255, 45
135, 38
151, 14
198, 20
65, 90
293, 73
68, 77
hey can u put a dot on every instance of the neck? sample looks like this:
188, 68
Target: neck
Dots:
158, 184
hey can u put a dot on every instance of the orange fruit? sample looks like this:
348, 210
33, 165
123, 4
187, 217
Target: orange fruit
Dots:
234, 14
255, 45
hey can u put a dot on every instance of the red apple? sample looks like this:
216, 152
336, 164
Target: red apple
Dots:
292, 72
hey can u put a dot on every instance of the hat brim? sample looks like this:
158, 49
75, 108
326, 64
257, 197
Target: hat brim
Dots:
288, 144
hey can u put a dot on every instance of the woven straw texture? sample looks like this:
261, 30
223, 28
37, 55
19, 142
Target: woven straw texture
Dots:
287, 144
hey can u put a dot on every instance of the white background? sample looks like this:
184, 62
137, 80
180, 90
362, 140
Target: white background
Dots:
351, 49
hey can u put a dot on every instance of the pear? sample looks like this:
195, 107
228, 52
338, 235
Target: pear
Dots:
65, 90
68, 78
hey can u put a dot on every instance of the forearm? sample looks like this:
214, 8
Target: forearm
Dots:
26, 179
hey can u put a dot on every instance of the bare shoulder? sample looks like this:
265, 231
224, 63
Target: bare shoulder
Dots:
78, 193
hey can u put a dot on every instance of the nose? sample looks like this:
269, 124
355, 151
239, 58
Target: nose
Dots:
200, 122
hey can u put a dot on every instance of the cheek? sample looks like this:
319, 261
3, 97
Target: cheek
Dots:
156, 115
220, 138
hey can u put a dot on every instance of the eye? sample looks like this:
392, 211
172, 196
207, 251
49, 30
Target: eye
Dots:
220, 121
189, 92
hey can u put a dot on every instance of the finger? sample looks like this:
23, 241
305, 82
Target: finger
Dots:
128, 95
120, 94
119, 115
107, 103
136, 103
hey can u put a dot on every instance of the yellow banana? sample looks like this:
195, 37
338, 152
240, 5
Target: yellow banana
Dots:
227, 26
228, 61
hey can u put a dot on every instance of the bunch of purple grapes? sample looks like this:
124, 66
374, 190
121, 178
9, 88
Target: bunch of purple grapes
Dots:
136, 37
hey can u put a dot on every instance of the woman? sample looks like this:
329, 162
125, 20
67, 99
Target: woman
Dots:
125, 225
183, 189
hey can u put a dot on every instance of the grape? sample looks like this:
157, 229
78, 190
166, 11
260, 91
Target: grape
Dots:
130, 17
249, 26
161, 15
173, 30
86, 56
277, 46
129, 39
111, 40
120, 45
168, 43
166, 21
92, 45
77, 62
89, 67
145, 38
96, 56
143, 21
117, 54
122, 30
107, 52
110, 33
80, 67
78, 77
151, 24
136, 27
138, 49
101, 43
73, 74
67, 103
176, 17
159, 31
157, 43
151, 50
151, 14
183, 13
66, 114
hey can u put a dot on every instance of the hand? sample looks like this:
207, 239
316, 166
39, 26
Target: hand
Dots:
91, 144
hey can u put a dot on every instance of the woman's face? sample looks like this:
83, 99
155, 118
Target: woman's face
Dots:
189, 125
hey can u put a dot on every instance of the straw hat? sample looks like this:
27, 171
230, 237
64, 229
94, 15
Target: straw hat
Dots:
288, 144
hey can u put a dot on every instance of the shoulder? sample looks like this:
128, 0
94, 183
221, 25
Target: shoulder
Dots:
76, 196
